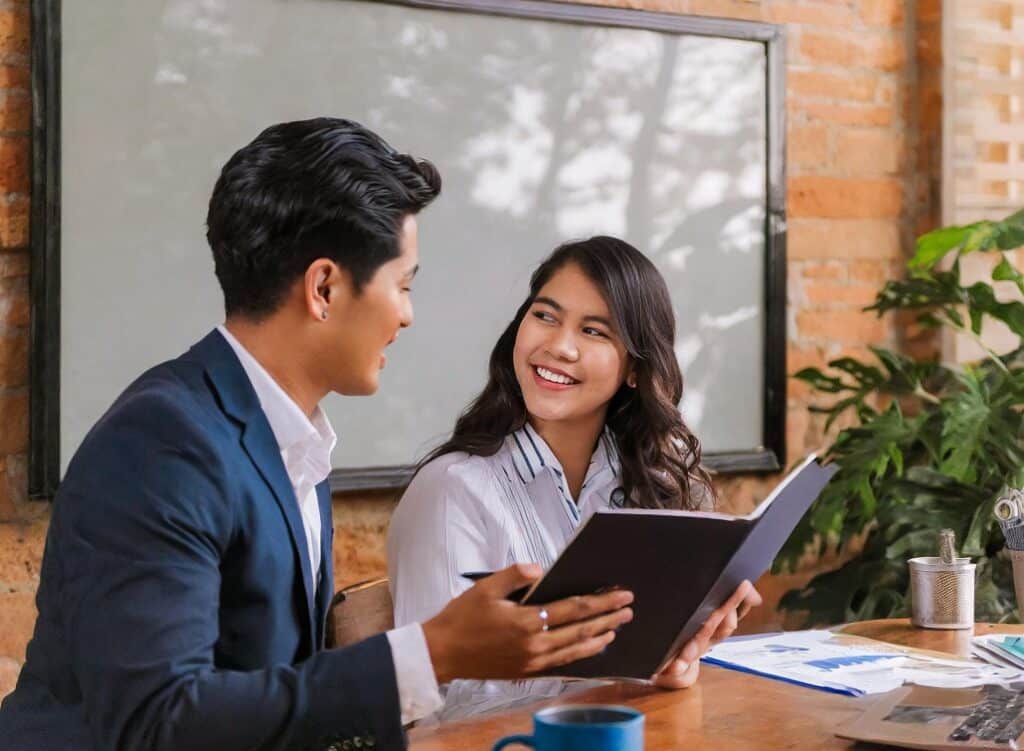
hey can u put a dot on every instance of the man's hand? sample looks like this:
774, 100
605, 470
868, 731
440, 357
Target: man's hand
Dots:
480, 634
682, 672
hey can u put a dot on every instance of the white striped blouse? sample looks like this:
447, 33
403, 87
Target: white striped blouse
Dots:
464, 513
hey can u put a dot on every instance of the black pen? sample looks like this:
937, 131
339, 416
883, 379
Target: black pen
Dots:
516, 595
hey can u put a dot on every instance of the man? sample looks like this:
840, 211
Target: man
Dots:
187, 571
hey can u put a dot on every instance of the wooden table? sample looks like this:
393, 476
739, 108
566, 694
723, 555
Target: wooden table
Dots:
725, 710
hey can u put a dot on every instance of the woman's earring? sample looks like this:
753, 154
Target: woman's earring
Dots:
323, 315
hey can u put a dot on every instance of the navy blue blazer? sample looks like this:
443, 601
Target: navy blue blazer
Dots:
177, 609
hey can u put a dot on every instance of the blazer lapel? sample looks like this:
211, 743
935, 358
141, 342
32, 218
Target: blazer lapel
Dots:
239, 401
325, 588
262, 448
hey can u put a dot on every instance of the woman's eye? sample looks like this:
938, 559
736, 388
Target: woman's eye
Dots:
543, 315
594, 332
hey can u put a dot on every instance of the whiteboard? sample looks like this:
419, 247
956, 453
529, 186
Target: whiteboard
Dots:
543, 130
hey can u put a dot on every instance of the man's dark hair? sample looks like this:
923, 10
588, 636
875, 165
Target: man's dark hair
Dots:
322, 188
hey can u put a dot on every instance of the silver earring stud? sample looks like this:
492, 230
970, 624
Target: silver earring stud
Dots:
323, 315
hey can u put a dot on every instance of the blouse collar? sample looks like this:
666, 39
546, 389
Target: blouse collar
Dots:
532, 457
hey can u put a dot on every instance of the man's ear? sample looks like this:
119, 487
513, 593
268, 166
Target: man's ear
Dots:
325, 287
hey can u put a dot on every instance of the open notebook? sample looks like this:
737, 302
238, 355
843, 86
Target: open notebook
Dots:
680, 565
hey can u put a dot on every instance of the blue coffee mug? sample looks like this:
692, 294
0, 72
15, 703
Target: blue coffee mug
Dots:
583, 727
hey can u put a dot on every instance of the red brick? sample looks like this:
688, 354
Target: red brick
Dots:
9, 670
13, 422
8, 511
887, 13
15, 77
866, 50
14, 26
833, 197
873, 151
16, 487
14, 301
14, 223
798, 358
809, 15
743, 9
842, 114
929, 11
797, 427
14, 264
808, 146
360, 530
843, 326
13, 358
874, 271
856, 86
17, 619
14, 156
822, 270
15, 111
827, 293
21, 553
824, 239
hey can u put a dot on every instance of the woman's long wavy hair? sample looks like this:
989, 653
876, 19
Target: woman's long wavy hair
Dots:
660, 458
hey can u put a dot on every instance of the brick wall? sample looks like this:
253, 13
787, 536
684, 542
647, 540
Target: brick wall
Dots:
20, 539
863, 109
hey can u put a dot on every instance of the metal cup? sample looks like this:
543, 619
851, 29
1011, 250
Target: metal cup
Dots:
942, 594
1017, 559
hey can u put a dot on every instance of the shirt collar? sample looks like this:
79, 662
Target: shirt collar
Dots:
532, 456
297, 436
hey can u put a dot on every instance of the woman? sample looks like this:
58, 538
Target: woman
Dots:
579, 413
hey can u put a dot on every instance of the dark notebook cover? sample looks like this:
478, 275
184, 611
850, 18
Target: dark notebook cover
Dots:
679, 565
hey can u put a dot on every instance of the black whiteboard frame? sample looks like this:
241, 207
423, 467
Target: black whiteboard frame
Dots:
45, 281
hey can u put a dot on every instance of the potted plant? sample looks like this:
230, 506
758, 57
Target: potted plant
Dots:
933, 444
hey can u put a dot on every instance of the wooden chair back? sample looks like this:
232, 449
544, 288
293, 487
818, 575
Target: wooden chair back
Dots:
360, 611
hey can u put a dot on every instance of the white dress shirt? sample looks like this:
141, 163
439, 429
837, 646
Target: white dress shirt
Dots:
306, 445
466, 513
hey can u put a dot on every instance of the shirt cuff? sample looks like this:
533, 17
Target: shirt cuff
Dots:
418, 693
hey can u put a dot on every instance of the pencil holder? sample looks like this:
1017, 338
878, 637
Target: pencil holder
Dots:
1017, 559
941, 593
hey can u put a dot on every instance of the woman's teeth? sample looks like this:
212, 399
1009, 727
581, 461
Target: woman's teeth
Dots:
550, 375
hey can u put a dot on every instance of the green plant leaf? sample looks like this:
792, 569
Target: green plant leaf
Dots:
982, 524
820, 382
932, 247
982, 236
1011, 232
1006, 272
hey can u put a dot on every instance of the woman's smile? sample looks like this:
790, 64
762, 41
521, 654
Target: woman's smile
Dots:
551, 378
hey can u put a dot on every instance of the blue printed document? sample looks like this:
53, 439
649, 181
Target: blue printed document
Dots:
852, 665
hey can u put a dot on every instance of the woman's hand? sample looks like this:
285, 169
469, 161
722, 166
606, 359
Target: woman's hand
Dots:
682, 672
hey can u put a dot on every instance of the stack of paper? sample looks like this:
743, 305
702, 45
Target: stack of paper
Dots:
851, 664
1001, 650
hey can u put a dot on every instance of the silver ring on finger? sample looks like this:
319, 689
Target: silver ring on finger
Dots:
543, 615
